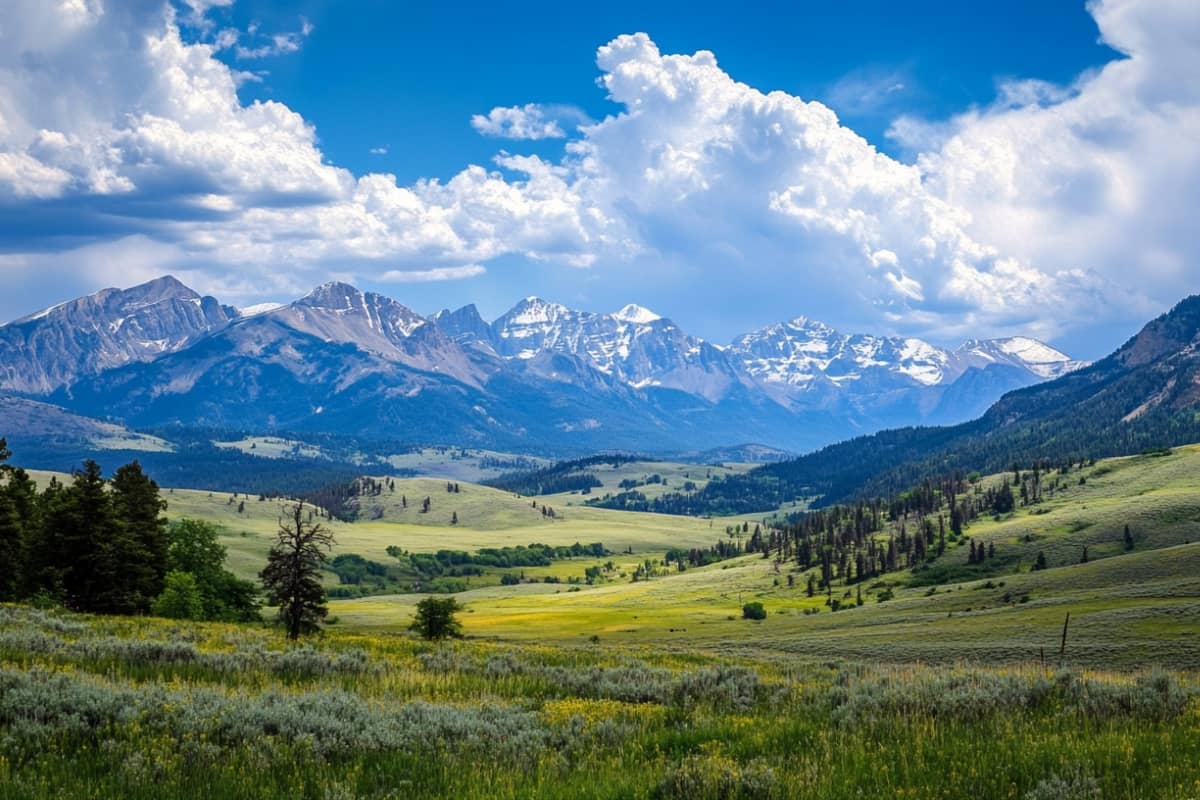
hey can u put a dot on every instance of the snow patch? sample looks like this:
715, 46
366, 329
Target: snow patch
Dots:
258, 308
636, 314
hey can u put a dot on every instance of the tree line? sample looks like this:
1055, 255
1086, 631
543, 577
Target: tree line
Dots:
103, 546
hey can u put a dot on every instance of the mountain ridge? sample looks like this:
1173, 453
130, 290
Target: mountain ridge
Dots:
641, 372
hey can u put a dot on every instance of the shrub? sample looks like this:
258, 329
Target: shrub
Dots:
181, 599
754, 611
713, 777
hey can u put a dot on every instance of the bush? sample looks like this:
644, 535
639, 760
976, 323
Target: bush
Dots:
181, 599
715, 777
754, 611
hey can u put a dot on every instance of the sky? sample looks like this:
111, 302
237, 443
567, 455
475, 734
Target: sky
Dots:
937, 169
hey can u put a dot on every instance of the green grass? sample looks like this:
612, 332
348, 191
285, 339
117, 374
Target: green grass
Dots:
143, 708
955, 687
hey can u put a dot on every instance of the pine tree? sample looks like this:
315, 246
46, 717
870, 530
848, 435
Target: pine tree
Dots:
11, 532
1040, 564
1128, 539
143, 559
84, 542
292, 577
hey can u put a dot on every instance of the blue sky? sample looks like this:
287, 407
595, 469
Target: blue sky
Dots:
423, 69
937, 169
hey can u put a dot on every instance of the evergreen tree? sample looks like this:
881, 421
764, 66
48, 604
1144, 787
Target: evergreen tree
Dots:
84, 545
292, 577
143, 555
11, 531
1128, 539
1004, 501
1040, 564
20, 496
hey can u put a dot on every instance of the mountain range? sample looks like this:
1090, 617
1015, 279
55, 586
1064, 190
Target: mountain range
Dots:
1143, 397
542, 376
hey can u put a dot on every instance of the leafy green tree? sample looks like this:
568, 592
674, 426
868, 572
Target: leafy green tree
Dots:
435, 619
292, 577
181, 599
194, 549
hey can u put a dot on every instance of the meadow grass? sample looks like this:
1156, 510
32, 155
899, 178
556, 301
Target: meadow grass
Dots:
955, 687
143, 708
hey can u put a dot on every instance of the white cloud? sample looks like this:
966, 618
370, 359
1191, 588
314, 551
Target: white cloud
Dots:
431, 275
529, 121
379, 151
1041, 209
1103, 174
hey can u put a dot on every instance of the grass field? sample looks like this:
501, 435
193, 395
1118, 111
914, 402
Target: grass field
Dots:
143, 708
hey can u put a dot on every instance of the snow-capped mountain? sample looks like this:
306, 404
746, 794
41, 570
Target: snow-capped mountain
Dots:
799, 353
634, 346
1039, 358
59, 345
345, 361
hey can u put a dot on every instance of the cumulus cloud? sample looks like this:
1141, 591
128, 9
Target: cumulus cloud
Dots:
1040, 209
529, 121
1103, 174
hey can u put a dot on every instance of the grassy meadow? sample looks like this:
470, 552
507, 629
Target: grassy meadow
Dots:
144, 708
951, 681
